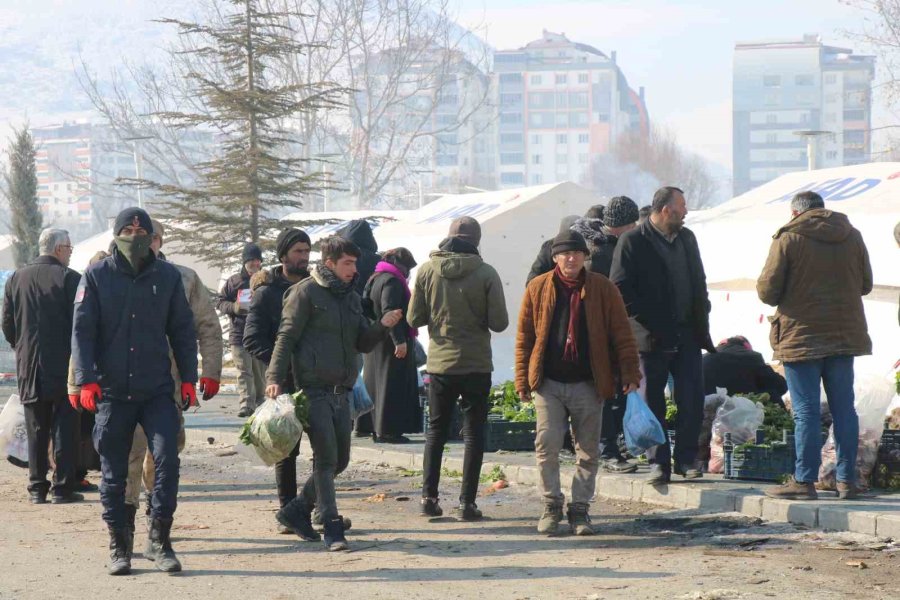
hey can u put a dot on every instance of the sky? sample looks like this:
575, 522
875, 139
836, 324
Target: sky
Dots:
679, 50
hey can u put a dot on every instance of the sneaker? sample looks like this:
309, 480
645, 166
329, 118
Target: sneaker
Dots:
37, 497
295, 515
469, 512
245, 412
66, 498
689, 472
658, 475
579, 519
319, 524
431, 508
617, 464
792, 490
334, 535
550, 519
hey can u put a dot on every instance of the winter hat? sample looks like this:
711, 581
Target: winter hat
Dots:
466, 229
567, 241
286, 240
566, 223
134, 216
595, 212
159, 230
251, 252
620, 211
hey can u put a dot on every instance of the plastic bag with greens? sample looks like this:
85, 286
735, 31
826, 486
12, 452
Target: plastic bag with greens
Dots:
273, 429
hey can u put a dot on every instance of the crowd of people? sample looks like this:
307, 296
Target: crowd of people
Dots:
615, 302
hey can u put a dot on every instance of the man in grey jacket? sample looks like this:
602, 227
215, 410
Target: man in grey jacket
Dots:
322, 334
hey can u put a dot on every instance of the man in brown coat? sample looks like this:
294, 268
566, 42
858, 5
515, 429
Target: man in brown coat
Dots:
816, 274
574, 346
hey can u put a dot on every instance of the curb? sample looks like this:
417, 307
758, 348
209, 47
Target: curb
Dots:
876, 517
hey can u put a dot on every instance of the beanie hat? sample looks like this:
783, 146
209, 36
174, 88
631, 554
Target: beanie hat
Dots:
595, 212
159, 230
566, 241
286, 240
620, 211
134, 216
466, 229
251, 252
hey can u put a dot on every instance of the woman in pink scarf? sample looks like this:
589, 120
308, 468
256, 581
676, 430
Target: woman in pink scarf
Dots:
390, 370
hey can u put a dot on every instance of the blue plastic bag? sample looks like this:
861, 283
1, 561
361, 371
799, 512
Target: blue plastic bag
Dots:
642, 430
360, 401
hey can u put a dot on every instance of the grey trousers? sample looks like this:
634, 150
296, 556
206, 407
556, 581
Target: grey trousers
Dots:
251, 377
556, 404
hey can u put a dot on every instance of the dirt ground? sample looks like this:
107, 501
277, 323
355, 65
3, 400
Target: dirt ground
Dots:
225, 535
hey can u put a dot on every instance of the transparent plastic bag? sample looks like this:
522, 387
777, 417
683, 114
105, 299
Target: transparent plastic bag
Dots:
273, 429
13, 435
360, 401
740, 417
642, 430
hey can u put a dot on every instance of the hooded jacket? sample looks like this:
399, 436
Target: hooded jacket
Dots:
227, 303
817, 272
261, 329
360, 233
460, 299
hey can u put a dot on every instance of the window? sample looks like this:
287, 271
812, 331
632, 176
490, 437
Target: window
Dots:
831, 155
510, 99
583, 158
578, 119
561, 79
535, 159
536, 138
512, 158
771, 80
510, 138
830, 78
540, 119
512, 178
539, 100
536, 179
562, 159
578, 100
853, 136
804, 79
562, 138
771, 138
535, 80
805, 99
854, 115
510, 118
561, 100
584, 138
773, 99
510, 78
770, 118
447, 160
583, 78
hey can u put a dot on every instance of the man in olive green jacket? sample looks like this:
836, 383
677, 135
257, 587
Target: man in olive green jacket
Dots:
460, 298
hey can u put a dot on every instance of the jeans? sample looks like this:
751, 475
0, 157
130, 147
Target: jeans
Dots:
611, 426
686, 366
286, 477
56, 419
472, 391
113, 437
329, 435
251, 377
556, 404
803, 380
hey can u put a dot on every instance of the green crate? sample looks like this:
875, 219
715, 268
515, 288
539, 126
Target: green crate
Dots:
508, 435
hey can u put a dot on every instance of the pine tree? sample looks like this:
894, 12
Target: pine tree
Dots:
21, 193
253, 177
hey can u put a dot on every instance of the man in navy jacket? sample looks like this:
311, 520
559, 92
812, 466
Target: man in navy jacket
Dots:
129, 309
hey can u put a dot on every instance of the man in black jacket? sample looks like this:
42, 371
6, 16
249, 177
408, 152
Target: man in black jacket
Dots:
737, 368
269, 287
234, 302
543, 263
37, 323
658, 269
130, 308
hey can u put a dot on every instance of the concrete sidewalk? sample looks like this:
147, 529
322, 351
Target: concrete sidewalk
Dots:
879, 515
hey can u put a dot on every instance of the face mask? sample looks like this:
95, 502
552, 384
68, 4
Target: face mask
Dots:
135, 249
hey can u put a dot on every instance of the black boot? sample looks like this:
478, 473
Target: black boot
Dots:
161, 551
469, 512
334, 535
431, 508
131, 513
296, 515
319, 524
119, 556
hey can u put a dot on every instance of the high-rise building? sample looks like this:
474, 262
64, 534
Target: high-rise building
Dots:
785, 86
561, 104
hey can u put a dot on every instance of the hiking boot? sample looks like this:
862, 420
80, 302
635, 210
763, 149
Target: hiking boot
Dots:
849, 491
658, 475
130, 513
431, 508
579, 519
617, 464
318, 523
550, 519
469, 512
66, 498
37, 497
296, 516
792, 490
161, 546
689, 472
334, 535
245, 412
119, 556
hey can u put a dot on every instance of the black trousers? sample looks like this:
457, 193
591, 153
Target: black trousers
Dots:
53, 419
472, 391
611, 426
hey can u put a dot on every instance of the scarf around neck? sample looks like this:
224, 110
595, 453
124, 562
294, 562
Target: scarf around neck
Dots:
397, 273
335, 284
572, 289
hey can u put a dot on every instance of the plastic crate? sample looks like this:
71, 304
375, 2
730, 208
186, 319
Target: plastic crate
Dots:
887, 467
760, 462
508, 435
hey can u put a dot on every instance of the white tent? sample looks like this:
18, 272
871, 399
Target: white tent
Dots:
7, 256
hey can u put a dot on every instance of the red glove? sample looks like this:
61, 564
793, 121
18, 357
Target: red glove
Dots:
188, 396
73, 400
209, 387
90, 395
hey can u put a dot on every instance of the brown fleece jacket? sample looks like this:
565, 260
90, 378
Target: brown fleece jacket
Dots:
613, 349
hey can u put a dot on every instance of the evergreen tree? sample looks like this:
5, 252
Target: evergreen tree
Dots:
21, 194
254, 176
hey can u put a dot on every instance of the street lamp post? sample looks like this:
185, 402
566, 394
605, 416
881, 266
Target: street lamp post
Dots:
811, 136
138, 166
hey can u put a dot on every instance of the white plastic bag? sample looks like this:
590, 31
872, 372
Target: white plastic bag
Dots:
13, 435
273, 429
642, 430
740, 417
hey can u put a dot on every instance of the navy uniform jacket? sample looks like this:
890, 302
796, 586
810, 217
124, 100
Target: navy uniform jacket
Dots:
124, 326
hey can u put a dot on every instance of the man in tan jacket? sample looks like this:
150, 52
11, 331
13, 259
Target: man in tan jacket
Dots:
816, 274
574, 347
